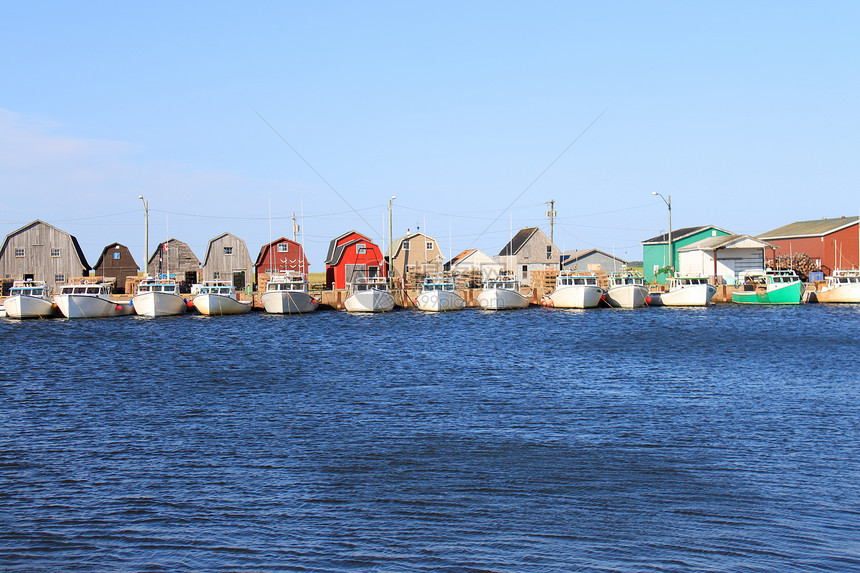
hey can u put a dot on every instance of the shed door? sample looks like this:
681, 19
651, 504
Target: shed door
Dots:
239, 280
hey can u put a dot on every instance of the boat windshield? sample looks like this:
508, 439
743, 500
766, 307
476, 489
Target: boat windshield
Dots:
27, 291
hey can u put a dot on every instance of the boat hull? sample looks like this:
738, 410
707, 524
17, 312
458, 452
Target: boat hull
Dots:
288, 302
369, 301
839, 294
154, 304
439, 301
219, 305
501, 299
688, 295
19, 306
787, 294
84, 306
576, 296
627, 296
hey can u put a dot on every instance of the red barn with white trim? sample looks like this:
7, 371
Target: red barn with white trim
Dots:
281, 255
352, 255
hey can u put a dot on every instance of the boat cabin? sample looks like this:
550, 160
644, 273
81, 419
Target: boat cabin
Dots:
158, 285
29, 288
101, 290
575, 279
503, 283
843, 277
687, 281
215, 287
438, 283
287, 282
621, 279
368, 283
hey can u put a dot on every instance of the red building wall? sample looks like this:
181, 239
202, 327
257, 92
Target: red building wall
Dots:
371, 257
837, 250
293, 259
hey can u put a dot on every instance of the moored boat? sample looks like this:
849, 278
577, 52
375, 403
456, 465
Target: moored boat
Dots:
626, 290
575, 290
288, 293
769, 287
439, 294
502, 293
369, 294
29, 299
843, 286
217, 298
90, 301
685, 291
158, 297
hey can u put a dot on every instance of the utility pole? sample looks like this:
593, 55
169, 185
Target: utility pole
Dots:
551, 214
145, 234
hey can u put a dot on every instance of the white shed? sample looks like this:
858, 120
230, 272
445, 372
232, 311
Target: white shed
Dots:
475, 260
724, 256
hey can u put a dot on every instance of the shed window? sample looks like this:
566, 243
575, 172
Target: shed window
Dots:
283, 247
549, 251
361, 248
429, 245
55, 253
59, 278
116, 255
405, 245
228, 250
19, 252
525, 272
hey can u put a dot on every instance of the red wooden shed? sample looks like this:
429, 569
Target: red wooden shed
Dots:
352, 255
281, 255
834, 242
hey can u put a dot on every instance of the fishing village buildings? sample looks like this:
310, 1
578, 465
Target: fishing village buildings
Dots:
116, 265
415, 253
175, 258
529, 250
832, 243
352, 255
39, 251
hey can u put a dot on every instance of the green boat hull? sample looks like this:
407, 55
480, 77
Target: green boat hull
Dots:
789, 294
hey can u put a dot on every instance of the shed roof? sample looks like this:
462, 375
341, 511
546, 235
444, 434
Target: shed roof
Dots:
678, 234
332, 256
514, 245
398, 242
74, 239
222, 235
111, 247
726, 242
176, 243
814, 228
577, 254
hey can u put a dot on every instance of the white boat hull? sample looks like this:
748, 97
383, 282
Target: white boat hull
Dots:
369, 301
85, 306
153, 304
439, 301
501, 299
688, 295
576, 296
288, 302
840, 294
627, 296
19, 306
219, 305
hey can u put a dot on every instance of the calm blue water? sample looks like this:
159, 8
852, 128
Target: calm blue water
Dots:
721, 439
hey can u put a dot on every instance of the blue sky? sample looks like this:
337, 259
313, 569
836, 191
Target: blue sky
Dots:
745, 113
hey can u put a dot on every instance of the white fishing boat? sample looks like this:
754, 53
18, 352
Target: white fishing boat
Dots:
158, 297
626, 290
369, 294
575, 290
90, 301
842, 286
685, 291
217, 298
288, 293
439, 294
29, 299
502, 293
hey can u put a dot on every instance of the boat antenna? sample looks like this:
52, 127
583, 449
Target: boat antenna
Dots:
302, 229
270, 236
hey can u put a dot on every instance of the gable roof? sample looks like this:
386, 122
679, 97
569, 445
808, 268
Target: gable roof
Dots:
398, 242
331, 257
74, 239
341, 249
176, 243
577, 254
726, 242
678, 234
111, 247
814, 228
460, 257
514, 245
209, 246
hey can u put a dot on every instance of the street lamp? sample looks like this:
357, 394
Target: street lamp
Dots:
145, 233
390, 245
668, 203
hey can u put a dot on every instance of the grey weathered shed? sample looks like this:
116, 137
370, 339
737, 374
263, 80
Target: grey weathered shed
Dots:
42, 252
529, 250
587, 259
227, 259
177, 259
